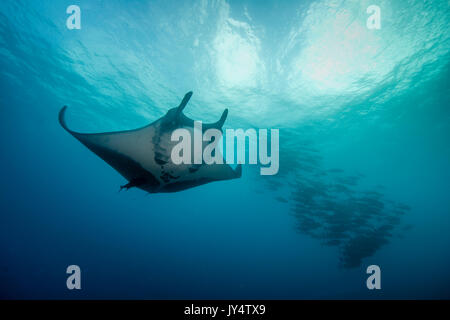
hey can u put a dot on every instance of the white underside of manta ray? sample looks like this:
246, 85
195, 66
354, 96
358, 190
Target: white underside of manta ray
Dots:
143, 156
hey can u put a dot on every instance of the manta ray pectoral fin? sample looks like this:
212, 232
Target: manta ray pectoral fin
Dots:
109, 146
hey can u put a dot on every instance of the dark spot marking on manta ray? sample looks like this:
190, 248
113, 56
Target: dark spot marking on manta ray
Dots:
194, 168
160, 158
166, 177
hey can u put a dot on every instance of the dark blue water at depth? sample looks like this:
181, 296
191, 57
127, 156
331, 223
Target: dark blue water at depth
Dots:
364, 124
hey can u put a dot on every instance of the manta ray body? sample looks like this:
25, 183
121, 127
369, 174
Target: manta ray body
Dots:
143, 155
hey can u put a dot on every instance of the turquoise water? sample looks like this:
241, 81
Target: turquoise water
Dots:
364, 149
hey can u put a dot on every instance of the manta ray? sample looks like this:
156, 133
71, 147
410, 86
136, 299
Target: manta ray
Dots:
143, 155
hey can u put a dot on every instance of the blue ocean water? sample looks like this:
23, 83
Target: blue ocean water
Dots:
364, 124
